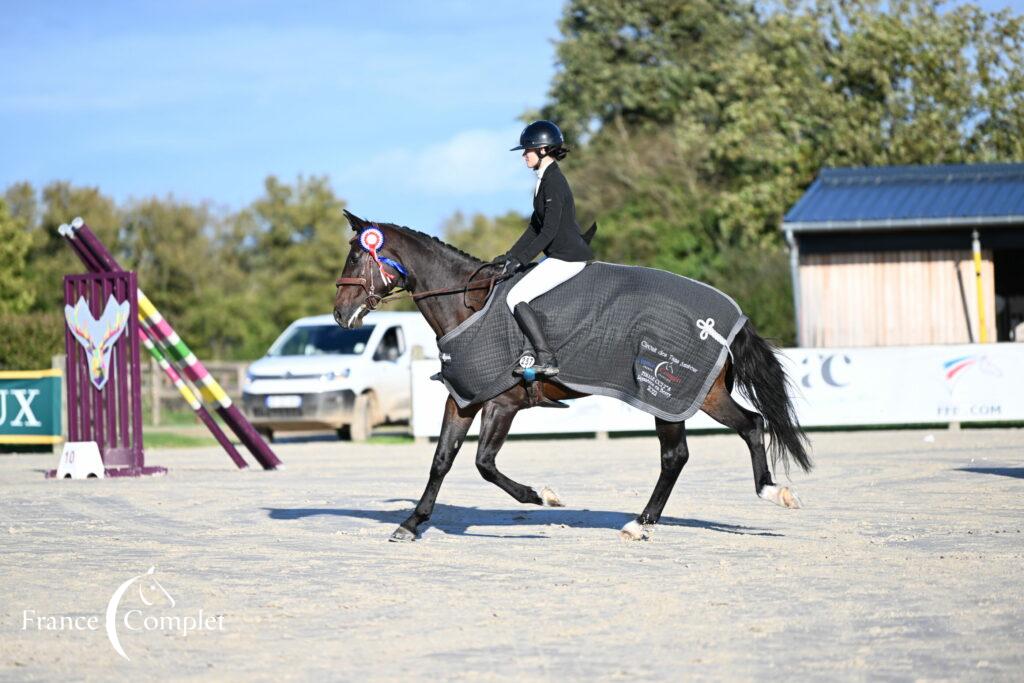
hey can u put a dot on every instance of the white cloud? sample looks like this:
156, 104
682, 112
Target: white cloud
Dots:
472, 162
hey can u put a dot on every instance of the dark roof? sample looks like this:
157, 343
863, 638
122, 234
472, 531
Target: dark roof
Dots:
910, 197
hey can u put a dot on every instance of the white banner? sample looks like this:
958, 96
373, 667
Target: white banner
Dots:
831, 387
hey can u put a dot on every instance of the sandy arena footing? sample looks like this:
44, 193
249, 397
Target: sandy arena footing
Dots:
905, 563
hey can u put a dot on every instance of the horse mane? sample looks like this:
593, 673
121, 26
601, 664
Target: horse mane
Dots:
358, 224
438, 240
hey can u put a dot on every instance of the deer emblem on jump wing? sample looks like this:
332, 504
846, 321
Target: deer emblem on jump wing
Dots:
98, 336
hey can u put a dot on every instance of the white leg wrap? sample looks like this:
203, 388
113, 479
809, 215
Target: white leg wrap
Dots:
633, 531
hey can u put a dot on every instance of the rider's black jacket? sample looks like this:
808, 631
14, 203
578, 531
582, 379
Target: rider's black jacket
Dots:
553, 228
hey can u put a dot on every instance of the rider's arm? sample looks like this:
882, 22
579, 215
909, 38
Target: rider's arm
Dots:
532, 243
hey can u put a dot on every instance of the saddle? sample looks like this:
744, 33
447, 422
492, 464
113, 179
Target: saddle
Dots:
653, 339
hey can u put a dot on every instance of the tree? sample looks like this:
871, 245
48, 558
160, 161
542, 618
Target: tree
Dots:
16, 295
482, 236
294, 240
50, 257
697, 124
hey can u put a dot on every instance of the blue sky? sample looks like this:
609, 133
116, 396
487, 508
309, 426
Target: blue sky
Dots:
409, 107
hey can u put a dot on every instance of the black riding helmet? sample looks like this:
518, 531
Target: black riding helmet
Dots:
539, 134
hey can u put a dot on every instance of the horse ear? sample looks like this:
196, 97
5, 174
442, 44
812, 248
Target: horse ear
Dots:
355, 221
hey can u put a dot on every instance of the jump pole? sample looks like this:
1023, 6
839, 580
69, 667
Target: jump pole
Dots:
193, 402
161, 332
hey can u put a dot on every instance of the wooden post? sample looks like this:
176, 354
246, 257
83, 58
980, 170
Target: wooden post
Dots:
240, 369
976, 250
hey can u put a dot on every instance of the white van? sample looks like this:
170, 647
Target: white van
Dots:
319, 375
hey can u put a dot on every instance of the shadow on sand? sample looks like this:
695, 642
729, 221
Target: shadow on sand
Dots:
1015, 472
458, 520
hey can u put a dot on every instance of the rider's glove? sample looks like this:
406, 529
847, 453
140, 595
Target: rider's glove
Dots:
509, 264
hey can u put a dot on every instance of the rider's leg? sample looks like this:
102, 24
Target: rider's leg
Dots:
529, 323
545, 276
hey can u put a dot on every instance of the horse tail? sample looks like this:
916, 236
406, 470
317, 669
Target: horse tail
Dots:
764, 382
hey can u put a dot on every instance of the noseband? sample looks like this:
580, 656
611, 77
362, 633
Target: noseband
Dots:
372, 300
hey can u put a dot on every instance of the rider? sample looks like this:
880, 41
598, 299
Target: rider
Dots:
553, 230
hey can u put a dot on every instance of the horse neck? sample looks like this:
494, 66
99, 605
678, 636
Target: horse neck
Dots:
436, 267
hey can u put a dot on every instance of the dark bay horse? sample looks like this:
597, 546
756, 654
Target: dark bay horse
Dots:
438, 276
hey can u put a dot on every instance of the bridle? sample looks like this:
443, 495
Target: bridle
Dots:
373, 300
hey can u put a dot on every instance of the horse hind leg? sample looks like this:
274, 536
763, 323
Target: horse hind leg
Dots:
750, 426
674, 454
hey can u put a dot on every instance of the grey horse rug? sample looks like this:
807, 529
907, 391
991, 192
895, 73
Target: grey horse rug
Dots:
653, 339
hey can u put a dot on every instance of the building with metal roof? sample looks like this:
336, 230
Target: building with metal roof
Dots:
883, 256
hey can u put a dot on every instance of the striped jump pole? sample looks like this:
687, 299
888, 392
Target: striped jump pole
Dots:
193, 402
186, 393
160, 329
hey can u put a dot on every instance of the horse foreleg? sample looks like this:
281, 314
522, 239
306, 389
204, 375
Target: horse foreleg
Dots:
750, 426
453, 433
674, 455
495, 421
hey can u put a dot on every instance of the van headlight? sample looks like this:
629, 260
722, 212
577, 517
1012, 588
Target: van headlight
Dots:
331, 376
249, 377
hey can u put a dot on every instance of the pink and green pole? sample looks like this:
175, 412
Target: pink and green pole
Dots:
192, 401
162, 333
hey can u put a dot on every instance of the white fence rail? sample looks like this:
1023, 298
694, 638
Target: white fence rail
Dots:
832, 387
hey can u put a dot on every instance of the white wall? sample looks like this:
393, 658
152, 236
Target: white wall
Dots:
832, 387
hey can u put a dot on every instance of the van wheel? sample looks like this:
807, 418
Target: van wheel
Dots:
267, 434
344, 433
362, 417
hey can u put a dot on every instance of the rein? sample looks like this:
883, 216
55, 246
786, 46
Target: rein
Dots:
373, 300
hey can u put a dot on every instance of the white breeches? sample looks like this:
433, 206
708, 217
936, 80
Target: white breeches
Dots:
543, 277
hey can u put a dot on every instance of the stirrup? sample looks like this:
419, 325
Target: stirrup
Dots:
529, 369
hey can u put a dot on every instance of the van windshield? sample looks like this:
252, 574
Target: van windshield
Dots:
319, 340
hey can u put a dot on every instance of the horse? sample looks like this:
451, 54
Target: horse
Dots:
448, 285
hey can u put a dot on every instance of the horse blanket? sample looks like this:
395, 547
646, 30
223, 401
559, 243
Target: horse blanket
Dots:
653, 339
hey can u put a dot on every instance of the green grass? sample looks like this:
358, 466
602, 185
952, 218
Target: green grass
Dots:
172, 440
177, 418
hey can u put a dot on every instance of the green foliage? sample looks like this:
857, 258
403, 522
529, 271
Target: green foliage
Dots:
51, 259
694, 126
294, 240
228, 284
697, 124
28, 341
485, 238
16, 295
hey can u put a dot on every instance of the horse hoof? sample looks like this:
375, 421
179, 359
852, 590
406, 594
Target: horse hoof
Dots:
402, 535
550, 499
634, 531
783, 497
789, 498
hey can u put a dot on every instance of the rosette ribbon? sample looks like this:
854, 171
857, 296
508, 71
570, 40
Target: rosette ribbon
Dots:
372, 241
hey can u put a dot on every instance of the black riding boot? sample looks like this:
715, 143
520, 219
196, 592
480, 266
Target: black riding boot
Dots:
545, 363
